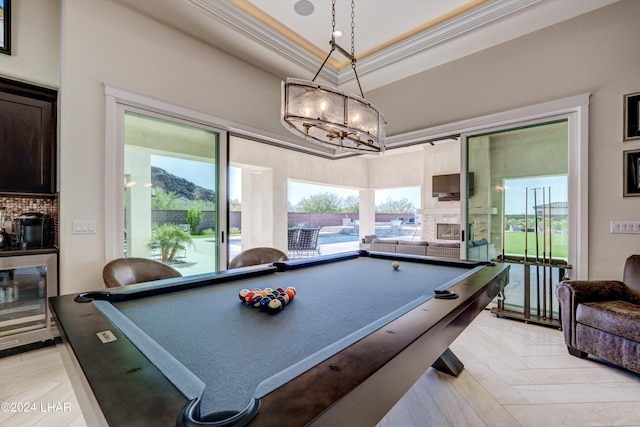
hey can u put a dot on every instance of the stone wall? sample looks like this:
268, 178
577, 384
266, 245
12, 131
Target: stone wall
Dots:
430, 225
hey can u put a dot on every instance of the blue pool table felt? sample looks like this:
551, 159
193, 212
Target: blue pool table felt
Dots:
231, 352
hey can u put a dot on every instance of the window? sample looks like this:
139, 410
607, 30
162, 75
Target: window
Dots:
167, 195
332, 211
396, 213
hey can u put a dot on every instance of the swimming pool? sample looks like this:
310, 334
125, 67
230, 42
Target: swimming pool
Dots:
326, 239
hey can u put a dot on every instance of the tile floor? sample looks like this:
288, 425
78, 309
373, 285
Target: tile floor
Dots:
516, 374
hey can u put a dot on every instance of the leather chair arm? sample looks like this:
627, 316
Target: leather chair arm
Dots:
570, 293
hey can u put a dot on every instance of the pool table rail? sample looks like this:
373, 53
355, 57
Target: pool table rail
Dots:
359, 385
356, 386
176, 284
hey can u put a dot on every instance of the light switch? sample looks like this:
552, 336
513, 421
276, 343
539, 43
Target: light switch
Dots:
84, 227
625, 227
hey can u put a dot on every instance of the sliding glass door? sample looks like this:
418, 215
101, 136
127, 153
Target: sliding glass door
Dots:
173, 211
517, 210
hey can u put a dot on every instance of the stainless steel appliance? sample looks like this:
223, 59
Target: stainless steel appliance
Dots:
33, 229
26, 282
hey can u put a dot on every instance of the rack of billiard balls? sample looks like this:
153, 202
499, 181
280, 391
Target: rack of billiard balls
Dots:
267, 299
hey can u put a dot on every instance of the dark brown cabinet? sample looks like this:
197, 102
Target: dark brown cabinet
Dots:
27, 138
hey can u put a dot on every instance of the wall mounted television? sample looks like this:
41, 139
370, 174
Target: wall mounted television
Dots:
447, 187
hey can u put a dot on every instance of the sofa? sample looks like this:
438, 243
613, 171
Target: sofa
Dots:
480, 250
602, 317
421, 247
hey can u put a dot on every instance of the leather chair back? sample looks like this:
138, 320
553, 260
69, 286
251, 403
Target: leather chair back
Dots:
631, 278
126, 271
257, 256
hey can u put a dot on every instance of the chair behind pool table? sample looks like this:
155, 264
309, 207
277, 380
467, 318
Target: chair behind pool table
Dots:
127, 271
257, 256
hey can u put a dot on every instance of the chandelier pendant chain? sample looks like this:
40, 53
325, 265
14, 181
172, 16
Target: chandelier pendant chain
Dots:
332, 42
334, 45
353, 31
353, 45
333, 20
330, 117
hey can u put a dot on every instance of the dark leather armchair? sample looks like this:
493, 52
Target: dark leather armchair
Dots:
602, 317
257, 256
126, 271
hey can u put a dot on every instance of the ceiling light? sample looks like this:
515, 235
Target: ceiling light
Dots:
337, 34
330, 117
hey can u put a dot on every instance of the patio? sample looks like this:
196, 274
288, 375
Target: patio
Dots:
199, 257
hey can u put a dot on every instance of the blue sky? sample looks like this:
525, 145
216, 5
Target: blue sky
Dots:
517, 188
200, 173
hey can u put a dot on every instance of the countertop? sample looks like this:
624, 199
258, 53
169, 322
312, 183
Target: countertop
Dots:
35, 250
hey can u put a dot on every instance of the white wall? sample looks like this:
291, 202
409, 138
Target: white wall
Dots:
595, 53
103, 42
394, 171
265, 224
35, 43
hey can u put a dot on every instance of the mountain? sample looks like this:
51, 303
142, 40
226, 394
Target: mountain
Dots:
183, 188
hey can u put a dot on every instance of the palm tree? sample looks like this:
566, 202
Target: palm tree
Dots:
169, 238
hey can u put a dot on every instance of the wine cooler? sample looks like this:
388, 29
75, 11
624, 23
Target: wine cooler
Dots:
26, 281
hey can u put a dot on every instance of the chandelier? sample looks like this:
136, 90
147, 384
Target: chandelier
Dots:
330, 117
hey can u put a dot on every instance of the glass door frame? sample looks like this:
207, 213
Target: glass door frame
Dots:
117, 102
577, 118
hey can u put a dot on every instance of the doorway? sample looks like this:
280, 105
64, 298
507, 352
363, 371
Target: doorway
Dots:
171, 192
517, 211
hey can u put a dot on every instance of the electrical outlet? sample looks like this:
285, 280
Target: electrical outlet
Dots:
625, 227
84, 227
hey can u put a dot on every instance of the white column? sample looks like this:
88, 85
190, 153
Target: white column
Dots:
138, 204
367, 212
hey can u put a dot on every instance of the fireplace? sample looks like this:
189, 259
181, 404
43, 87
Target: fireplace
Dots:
448, 231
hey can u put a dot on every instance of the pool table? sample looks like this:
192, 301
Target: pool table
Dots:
354, 339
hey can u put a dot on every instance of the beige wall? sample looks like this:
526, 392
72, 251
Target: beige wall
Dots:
266, 171
35, 43
594, 53
104, 42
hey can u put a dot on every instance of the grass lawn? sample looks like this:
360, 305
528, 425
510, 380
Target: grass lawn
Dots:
514, 244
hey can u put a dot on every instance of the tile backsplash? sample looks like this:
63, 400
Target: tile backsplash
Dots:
15, 206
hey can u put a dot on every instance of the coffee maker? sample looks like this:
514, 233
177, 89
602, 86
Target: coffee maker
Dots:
33, 229
4, 237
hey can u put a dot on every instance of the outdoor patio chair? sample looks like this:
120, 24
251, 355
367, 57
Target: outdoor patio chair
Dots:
292, 239
257, 256
308, 241
411, 223
127, 271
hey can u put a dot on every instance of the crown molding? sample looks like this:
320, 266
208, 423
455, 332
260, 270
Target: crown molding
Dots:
268, 37
469, 21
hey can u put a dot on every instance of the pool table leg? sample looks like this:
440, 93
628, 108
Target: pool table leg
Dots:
448, 363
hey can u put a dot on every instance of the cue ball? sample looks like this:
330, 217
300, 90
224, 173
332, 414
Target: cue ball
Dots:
395, 265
